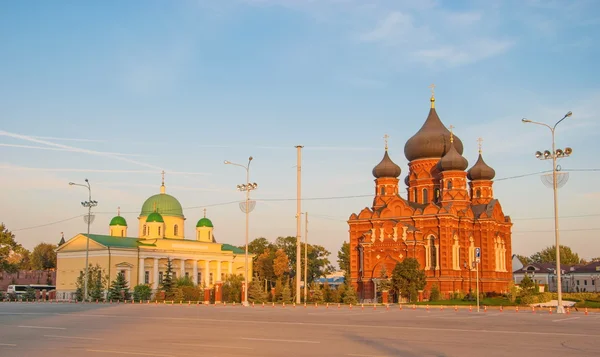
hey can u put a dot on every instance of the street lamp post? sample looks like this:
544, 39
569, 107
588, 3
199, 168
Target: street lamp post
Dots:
247, 187
88, 219
554, 155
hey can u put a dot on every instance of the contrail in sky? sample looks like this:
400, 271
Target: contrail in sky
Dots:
59, 149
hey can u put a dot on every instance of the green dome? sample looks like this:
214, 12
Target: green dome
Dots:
155, 217
204, 222
118, 221
166, 205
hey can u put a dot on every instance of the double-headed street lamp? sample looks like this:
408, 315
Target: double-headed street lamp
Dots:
247, 187
554, 155
88, 219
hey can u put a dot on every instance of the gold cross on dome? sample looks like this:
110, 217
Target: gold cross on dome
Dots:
432, 86
118, 211
451, 133
163, 177
479, 141
205, 213
385, 138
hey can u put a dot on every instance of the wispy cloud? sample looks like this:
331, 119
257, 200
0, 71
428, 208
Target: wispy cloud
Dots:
52, 169
68, 139
461, 55
61, 149
76, 149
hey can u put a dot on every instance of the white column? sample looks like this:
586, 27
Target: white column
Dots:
155, 275
195, 277
230, 271
218, 277
206, 273
181, 268
141, 271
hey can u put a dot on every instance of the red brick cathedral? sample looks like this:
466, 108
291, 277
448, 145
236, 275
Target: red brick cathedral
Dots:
447, 214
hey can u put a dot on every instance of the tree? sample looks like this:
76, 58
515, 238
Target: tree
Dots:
286, 293
97, 281
119, 289
20, 258
408, 278
343, 260
258, 246
256, 293
167, 282
597, 259
8, 245
435, 293
43, 257
29, 294
350, 297
548, 255
263, 265
281, 263
523, 259
232, 288
142, 292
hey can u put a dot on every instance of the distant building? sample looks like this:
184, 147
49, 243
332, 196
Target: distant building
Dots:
334, 279
574, 278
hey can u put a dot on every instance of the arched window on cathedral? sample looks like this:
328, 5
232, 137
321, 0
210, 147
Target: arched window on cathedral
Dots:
159, 231
436, 194
433, 252
478, 193
145, 230
415, 198
382, 190
449, 184
425, 196
122, 233
175, 230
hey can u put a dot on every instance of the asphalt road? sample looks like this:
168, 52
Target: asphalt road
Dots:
233, 331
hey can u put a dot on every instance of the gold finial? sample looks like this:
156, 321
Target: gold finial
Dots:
118, 211
451, 133
432, 86
162, 186
385, 138
205, 213
479, 141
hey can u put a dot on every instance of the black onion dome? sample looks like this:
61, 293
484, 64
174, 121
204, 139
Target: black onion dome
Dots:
481, 171
453, 161
431, 141
386, 168
407, 180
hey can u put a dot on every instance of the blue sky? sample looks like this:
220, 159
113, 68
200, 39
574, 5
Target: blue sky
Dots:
117, 91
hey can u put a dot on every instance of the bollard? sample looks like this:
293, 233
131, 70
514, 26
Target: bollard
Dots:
252, 303
327, 306
455, 308
427, 308
470, 308
485, 309
387, 306
400, 306
586, 312
550, 310
350, 306
305, 305
316, 305
362, 306
263, 304
414, 307
517, 309
283, 305
374, 306
294, 305
501, 308
339, 306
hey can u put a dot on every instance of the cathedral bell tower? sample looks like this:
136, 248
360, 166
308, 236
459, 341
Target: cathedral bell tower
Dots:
453, 178
204, 230
423, 152
481, 176
386, 179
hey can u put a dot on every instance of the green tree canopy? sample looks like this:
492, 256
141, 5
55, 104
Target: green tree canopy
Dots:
8, 246
43, 256
408, 278
548, 255
343, 260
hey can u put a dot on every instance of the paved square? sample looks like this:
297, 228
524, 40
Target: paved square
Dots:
199, 330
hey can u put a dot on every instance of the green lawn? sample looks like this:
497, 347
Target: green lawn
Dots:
498, 301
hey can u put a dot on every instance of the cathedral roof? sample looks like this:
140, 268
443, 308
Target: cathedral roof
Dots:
453, 161
481, 170
118, 221
432, 140
162, 203
154, 217
204, 222
386, 168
